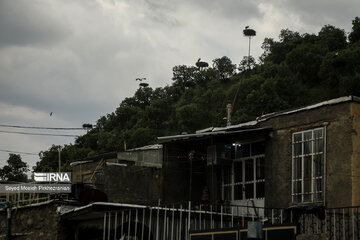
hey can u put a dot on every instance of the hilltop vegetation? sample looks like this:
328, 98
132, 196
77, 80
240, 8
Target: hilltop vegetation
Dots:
296, 70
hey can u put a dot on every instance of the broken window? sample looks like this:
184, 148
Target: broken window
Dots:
307, 166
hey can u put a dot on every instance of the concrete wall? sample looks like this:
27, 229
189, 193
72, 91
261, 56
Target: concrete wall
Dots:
131, 184
82, 173
355, 158
38, 222
278, 153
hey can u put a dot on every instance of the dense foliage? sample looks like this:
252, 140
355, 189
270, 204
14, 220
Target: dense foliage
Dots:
15, 170
296, 70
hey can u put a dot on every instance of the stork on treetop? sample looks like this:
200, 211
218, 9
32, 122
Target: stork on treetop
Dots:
201, 64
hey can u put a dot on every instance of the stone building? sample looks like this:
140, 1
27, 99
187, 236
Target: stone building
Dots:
303, 156
294, 160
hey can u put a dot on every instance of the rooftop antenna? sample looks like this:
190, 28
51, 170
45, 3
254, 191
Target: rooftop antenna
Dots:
248, 32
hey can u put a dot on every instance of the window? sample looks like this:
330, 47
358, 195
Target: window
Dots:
307, 166
246, 178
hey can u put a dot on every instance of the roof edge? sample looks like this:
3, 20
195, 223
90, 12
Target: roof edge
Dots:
309, 107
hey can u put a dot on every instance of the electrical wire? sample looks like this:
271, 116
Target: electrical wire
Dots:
26, 153
40, 134
47, 128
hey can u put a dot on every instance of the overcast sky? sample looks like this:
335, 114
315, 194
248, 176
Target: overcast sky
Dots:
79, 59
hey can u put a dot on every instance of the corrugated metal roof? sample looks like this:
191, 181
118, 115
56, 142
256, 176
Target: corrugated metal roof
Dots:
317, 105
200, 135
148, 147
241, 125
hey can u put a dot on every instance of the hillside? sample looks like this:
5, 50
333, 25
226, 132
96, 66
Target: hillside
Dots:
296, 70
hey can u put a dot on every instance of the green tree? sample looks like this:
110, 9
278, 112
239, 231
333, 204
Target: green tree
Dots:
354, 36
15, 170
333, 38
247, 63
184, 76
224, 68
294, 70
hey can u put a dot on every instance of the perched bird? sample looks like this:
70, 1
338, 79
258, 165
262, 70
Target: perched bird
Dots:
200, 64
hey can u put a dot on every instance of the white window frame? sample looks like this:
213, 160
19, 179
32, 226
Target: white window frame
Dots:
232, 183
313, 192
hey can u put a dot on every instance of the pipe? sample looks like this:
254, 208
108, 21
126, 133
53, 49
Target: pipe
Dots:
8, 230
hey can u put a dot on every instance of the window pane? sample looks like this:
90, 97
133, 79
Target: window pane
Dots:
249, 170
297, 186
318, 165
238, 171
307, 135
307, 168
297, 168
227, 175
318, 133
227, 193
307, 197
318, 185
260, 168
318, 145
307, 147
297, 137
257, 148
307, 186
260, 189
238, 193
243, 151
297, 149
249, 190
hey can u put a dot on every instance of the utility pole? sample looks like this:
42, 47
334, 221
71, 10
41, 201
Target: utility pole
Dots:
249, 33
191, 157
59, 159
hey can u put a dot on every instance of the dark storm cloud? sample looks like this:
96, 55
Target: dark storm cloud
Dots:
28, 23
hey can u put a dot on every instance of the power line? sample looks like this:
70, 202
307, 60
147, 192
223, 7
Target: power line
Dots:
40, 134
26, 153
47, 128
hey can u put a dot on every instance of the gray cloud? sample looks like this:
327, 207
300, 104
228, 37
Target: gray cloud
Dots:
79, 59
29, 23
322, 12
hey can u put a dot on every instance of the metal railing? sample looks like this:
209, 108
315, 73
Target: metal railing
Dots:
175, 221
23, 199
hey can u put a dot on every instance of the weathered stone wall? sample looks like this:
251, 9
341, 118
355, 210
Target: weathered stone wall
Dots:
339, 130
36, 222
